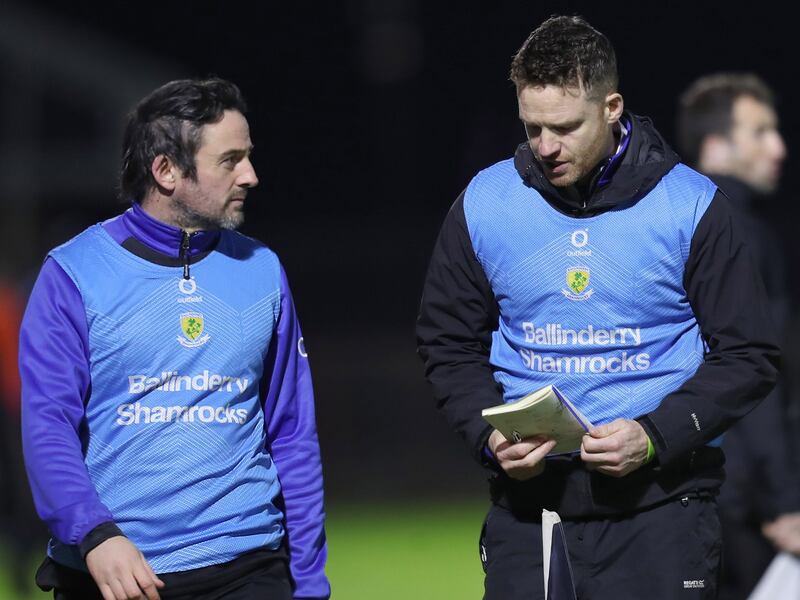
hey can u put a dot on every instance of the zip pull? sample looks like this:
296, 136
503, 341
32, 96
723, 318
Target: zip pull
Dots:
185, 253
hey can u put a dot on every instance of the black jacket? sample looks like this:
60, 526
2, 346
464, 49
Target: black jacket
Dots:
763, 479
459, 312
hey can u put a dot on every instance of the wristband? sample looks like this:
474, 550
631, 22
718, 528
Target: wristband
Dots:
651, 451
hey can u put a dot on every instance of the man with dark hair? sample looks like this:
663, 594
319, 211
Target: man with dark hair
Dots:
728, 129
595, 261
168, 412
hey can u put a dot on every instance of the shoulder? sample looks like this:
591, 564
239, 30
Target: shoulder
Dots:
254, 253
684, 176
87, 237
245, 246
487, 186
499, 173
80, 254
689, 192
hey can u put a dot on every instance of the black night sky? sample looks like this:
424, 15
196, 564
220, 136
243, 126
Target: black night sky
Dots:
369, 118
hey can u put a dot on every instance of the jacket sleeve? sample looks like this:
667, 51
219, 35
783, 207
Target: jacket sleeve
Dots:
292, 438
457, 316
54, 368
741, 364
761, 481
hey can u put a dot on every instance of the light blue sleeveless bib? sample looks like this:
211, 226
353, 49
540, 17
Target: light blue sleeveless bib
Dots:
174, 439
596, 305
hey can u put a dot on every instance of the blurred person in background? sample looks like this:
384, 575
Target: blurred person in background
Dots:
727, 128
595, 229
20, 529
167, 406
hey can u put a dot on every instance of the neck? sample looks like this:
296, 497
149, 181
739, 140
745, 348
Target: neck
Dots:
159, 207
161, 237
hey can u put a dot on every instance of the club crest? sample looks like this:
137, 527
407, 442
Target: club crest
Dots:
192, 324
577, 284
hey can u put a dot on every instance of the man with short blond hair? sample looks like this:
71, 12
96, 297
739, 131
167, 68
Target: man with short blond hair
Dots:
595, 227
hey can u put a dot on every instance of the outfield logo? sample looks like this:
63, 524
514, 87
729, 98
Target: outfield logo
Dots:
580, 238
188, 287
192, 324
134, 414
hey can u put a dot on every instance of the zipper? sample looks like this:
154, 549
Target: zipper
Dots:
185, 253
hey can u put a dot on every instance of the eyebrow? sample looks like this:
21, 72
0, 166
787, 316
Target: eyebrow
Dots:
564, 125
235, 152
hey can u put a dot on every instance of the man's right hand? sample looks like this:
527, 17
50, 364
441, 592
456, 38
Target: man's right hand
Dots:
121, 571
784, 532
521, 460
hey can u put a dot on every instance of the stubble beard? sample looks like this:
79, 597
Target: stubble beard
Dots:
581, 167
190, 218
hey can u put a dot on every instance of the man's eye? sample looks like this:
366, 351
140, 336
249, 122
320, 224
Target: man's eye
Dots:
565, 129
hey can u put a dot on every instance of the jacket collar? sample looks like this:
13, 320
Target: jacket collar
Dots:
157, 236
641, 160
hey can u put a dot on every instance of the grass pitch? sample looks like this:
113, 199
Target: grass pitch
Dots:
397, 551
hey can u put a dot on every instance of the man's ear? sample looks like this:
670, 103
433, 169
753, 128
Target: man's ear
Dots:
614, 106
164, 172
715, 154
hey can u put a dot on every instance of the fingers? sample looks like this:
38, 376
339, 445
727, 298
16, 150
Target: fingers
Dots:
107, 592
616, 448
592, 445
131, 589
607, 429
120, 591
147, 581
784, 533
121, 571
519, 450
531, 464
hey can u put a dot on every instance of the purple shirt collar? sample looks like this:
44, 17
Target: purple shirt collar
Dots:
613, 163
164, 239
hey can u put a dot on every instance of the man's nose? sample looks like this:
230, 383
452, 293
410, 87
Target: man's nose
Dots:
778, 147
248, 177
549, 144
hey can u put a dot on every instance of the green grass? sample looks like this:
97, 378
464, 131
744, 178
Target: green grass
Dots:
399, 551
7, 588
411, 550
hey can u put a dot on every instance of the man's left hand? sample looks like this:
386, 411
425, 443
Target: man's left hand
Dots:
616, 448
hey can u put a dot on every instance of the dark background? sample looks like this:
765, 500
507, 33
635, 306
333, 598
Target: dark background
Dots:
368, 117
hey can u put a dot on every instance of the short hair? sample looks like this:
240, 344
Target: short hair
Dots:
169, 121
566, 51
706, 108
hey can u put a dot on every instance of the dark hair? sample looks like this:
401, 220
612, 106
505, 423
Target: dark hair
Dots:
566, 51
706, 108
169, 121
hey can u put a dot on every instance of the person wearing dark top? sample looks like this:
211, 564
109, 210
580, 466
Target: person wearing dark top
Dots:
728, 129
